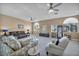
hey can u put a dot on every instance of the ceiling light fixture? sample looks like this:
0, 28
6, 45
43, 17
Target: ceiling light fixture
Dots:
50, 11
52, 8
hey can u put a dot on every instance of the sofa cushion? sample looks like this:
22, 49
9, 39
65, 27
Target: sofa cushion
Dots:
24, 42
4, 39
12, 42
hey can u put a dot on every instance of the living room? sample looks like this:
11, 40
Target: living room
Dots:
32, 29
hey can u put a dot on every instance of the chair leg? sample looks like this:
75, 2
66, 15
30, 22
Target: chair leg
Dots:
47, 53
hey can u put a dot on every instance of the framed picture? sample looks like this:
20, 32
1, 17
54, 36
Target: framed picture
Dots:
53, 28
20, 26
65, 28
73, 28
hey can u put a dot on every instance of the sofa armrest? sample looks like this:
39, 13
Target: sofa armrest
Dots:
53, 46
54, 49
21, 52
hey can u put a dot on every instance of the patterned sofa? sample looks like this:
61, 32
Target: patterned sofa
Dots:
10, 46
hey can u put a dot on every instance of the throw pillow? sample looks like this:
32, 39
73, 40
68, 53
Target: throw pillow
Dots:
63, 42
5, 39
12, 42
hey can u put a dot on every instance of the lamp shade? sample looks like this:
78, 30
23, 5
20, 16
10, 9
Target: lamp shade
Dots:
71, 21
4, 29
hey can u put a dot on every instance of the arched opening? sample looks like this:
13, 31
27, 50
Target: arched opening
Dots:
72, 24
71, 20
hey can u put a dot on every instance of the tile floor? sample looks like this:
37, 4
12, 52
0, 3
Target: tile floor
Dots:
71, 50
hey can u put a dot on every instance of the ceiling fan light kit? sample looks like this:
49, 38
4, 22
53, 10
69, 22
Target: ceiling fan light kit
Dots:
50, 11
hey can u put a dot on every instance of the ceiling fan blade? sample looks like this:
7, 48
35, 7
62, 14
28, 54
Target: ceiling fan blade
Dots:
56, 9
50, 5
57, 5
55, 13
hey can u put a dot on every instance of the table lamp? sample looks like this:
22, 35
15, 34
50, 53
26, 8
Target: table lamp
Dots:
5, 30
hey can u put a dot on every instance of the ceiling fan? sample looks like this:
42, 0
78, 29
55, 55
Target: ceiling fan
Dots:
52, 8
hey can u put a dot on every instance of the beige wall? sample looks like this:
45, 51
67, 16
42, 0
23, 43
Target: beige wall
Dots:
12, 23
58, 21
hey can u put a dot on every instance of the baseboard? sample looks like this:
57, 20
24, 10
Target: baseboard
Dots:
75, 39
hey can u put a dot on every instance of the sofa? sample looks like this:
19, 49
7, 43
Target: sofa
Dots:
18, 34
57, 50
10, 46
44, 34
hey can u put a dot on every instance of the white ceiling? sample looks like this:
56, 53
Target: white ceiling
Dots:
38, 11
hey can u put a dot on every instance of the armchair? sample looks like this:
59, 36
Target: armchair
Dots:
58, 50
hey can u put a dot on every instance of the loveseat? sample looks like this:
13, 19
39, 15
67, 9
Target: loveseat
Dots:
18, 34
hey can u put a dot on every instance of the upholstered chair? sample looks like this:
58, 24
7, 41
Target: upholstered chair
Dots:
57, 50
